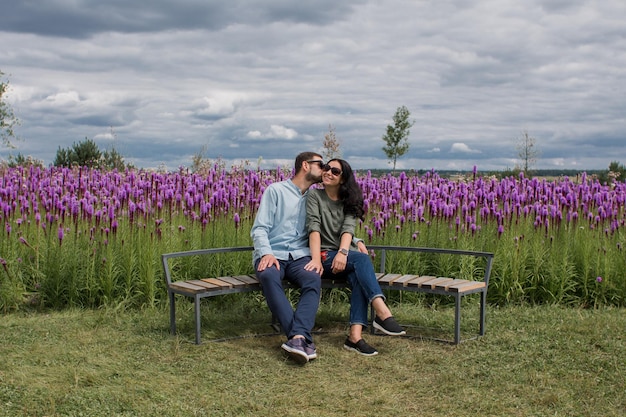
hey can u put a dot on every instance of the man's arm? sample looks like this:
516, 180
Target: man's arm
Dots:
263, 223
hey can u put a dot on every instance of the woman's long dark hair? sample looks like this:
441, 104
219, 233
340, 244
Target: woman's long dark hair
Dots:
349, 191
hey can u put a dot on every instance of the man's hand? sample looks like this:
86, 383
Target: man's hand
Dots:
267, 261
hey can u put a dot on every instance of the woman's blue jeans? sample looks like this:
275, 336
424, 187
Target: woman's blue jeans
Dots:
361, 277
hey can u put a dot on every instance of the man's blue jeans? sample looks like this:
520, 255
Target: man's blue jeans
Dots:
302, 320
361, 277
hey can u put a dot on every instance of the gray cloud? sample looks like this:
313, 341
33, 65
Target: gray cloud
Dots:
79, 19
266, 79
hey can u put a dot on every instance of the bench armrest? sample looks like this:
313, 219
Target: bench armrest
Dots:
165, 257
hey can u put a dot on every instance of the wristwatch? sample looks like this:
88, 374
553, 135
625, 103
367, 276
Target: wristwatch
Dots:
343, 251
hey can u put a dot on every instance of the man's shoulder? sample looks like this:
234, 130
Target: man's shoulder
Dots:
275, 187
278, 184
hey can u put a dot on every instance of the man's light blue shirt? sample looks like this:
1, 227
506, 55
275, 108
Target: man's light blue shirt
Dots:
280, 224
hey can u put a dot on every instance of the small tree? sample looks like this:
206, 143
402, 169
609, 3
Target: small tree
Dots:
84, 153
331, 145
616, 173
397, 136
112, 159
8, 121
200, 162
23, 161
527, 153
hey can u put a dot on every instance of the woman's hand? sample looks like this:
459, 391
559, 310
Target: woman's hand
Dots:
339, 263
314, 266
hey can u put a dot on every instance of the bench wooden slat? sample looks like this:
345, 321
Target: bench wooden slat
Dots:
218, 282
446, 285
389, 278
434, 282
184, 285
233, 281
203, 284
419, 281
467, 286
402, 281
248, 279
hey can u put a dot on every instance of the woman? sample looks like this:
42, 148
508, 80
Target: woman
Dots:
332, 213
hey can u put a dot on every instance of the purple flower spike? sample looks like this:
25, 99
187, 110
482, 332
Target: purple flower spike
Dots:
599, 279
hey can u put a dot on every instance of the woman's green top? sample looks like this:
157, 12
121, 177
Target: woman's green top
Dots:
326, 216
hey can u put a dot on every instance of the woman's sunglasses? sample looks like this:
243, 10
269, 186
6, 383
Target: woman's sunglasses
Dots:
335, 171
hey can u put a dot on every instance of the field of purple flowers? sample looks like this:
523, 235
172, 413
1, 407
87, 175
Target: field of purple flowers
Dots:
86, 237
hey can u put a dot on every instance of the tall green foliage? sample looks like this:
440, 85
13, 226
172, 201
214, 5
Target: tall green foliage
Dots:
68, 249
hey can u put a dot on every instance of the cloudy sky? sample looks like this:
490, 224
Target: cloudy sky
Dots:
163, 80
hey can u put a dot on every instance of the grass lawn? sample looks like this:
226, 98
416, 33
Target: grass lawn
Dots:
533, 361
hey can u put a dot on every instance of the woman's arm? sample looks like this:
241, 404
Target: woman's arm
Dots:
315, 244
315, 239
341, 259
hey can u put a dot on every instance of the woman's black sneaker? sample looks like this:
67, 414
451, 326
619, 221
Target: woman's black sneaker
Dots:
389, 326
360, 347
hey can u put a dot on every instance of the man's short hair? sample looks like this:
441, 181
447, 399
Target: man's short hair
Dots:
305, 156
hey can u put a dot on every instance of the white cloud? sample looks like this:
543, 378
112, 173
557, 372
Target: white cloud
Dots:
104, 136
283, 132
274, 132
62, 99
462, 148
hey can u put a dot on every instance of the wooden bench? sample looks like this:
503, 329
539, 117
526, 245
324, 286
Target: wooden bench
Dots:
454, 287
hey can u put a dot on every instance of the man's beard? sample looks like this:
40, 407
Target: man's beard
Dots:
312, 178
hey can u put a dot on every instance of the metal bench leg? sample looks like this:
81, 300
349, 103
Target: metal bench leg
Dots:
172, 298
196, 302
457, 319
483, 308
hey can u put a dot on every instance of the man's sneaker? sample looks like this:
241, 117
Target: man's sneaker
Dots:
388, 326
360, 347
311, 350
295, 348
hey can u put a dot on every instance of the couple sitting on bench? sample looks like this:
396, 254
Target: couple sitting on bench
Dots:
301, 235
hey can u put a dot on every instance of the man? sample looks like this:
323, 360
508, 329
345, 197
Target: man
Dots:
281, 250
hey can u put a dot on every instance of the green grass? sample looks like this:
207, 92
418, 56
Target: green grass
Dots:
533, 361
